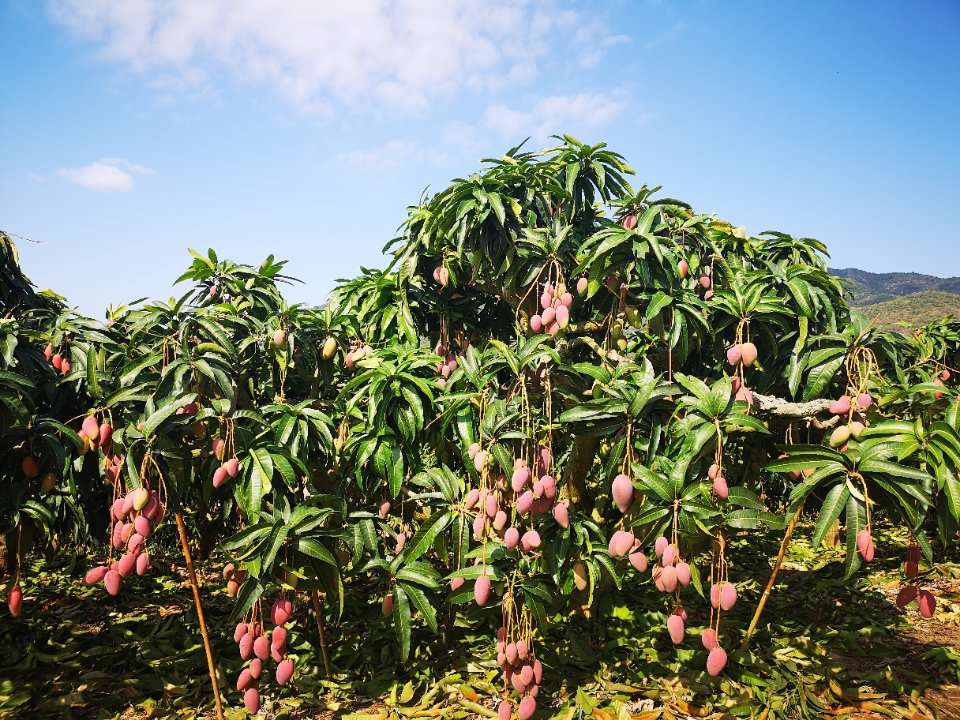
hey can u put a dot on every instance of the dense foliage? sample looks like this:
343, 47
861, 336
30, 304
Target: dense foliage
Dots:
558, 382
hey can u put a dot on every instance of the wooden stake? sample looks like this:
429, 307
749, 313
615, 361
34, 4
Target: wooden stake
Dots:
315, 596
211, 665
784, 544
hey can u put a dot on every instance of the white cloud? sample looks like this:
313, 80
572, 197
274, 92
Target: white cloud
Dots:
554, 114
105, 175
320, 55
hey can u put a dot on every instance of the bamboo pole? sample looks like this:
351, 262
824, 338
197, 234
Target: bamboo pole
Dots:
211, 665
784, 544
315, 596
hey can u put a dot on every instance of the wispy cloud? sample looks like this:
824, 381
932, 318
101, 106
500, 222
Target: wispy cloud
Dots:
321, 56
105, 175
384, 156
557, 113
666, 35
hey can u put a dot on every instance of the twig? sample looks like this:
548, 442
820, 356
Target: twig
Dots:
315, 597
784, 544
211, 665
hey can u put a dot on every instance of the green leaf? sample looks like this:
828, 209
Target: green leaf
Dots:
401, 621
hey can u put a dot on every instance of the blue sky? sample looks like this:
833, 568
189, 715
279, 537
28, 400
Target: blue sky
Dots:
131, 131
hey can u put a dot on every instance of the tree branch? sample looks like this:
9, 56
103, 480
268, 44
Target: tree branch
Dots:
778, 407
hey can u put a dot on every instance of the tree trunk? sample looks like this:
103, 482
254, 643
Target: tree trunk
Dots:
581, 460
832, 537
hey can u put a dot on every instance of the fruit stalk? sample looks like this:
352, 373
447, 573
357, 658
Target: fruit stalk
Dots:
784, 544
315, 596
211, 665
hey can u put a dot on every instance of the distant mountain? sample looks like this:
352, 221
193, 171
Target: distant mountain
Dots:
869, 288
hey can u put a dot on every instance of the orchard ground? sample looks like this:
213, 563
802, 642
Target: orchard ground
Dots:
825, 648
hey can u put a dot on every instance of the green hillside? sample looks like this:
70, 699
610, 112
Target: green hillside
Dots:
914, 310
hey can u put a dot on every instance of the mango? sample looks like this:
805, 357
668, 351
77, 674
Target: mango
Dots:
716, 661
246, 645
91, 428
720, 488
639, 561
329, 348
622, 492
251, 700
561, 515
527, 707
472, 498
668, 578
669, 556
660, 545
481, 590
15, 600
927, 603
728, 596
840, 406
675, 629
261, 647
511, 538
733, 355
127, 564
748, 354
284, 671
232, 466
255, 667
504, 709
530, 541
683, 269
30, 467
111, 581
278, 638
244, 680
839, 436
219, 477
709, 639
95, 575
582, 285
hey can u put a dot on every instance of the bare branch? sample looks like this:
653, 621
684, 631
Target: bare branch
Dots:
778, 407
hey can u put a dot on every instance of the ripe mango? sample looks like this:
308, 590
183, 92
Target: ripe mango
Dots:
15, 601
251, 700
561, 515
111, 581
261, 647
716, 661
95, 575
284, 671
527, 707
639, 561
675, 628
481, 590
622, 492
